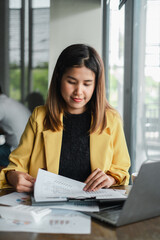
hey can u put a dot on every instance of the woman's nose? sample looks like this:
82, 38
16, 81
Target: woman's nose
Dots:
78, 89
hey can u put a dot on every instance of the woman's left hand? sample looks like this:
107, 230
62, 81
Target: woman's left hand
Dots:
97, 180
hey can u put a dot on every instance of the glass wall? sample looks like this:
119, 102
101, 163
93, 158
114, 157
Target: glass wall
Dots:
41, 17
14, 49
142, 84
116, 55
28, 47
147, 34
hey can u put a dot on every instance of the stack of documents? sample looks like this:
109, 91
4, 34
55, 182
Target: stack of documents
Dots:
65, 201
50, 187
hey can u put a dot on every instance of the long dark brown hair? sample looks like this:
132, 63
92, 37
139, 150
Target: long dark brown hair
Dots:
77, 55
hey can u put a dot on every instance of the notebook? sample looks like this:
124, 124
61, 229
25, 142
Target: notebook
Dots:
143, 201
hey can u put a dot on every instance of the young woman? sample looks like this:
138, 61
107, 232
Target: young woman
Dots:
76, 134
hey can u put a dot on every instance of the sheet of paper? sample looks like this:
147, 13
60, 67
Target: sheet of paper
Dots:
121, 191
24, 212
59, 221
15, 198
50, 186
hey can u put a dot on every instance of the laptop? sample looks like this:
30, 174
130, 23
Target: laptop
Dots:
143, 201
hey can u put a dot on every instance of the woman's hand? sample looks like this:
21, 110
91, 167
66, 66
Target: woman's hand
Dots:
97, 180
21, 181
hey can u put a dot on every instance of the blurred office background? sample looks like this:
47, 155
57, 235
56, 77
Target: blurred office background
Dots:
125, 33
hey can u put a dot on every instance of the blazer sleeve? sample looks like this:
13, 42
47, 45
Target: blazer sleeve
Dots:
121, 159
20, 157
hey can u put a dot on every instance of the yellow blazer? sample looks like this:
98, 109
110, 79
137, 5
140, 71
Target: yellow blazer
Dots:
39, 148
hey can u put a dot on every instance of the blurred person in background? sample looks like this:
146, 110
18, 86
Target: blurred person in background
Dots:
13, 119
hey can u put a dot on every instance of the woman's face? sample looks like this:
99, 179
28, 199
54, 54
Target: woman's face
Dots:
77, 87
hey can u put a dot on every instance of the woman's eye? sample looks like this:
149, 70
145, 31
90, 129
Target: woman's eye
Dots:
71, 82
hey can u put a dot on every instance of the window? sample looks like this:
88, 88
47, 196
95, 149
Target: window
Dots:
28, 47
134, 74
14, 49
116, 55
148, 80
41, 15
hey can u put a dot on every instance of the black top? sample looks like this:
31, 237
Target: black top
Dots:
75, 150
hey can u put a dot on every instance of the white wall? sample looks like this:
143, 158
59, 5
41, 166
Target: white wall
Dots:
74, 21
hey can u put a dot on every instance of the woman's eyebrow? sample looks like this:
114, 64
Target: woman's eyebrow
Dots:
87, 80
71, 77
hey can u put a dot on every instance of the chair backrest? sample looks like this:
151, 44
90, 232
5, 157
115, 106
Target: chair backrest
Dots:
34, 99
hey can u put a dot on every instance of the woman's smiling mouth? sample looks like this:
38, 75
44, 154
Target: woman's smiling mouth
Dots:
77, 99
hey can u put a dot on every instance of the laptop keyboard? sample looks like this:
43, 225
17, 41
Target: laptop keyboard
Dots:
109, 215
112, 215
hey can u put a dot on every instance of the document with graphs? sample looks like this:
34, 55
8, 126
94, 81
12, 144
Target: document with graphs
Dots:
50, 187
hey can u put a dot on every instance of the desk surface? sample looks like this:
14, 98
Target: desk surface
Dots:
147, 230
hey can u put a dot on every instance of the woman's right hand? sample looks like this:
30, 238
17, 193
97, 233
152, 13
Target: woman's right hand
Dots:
22, 182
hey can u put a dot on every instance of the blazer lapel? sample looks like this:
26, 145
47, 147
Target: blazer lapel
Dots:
100, 148
52, 143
